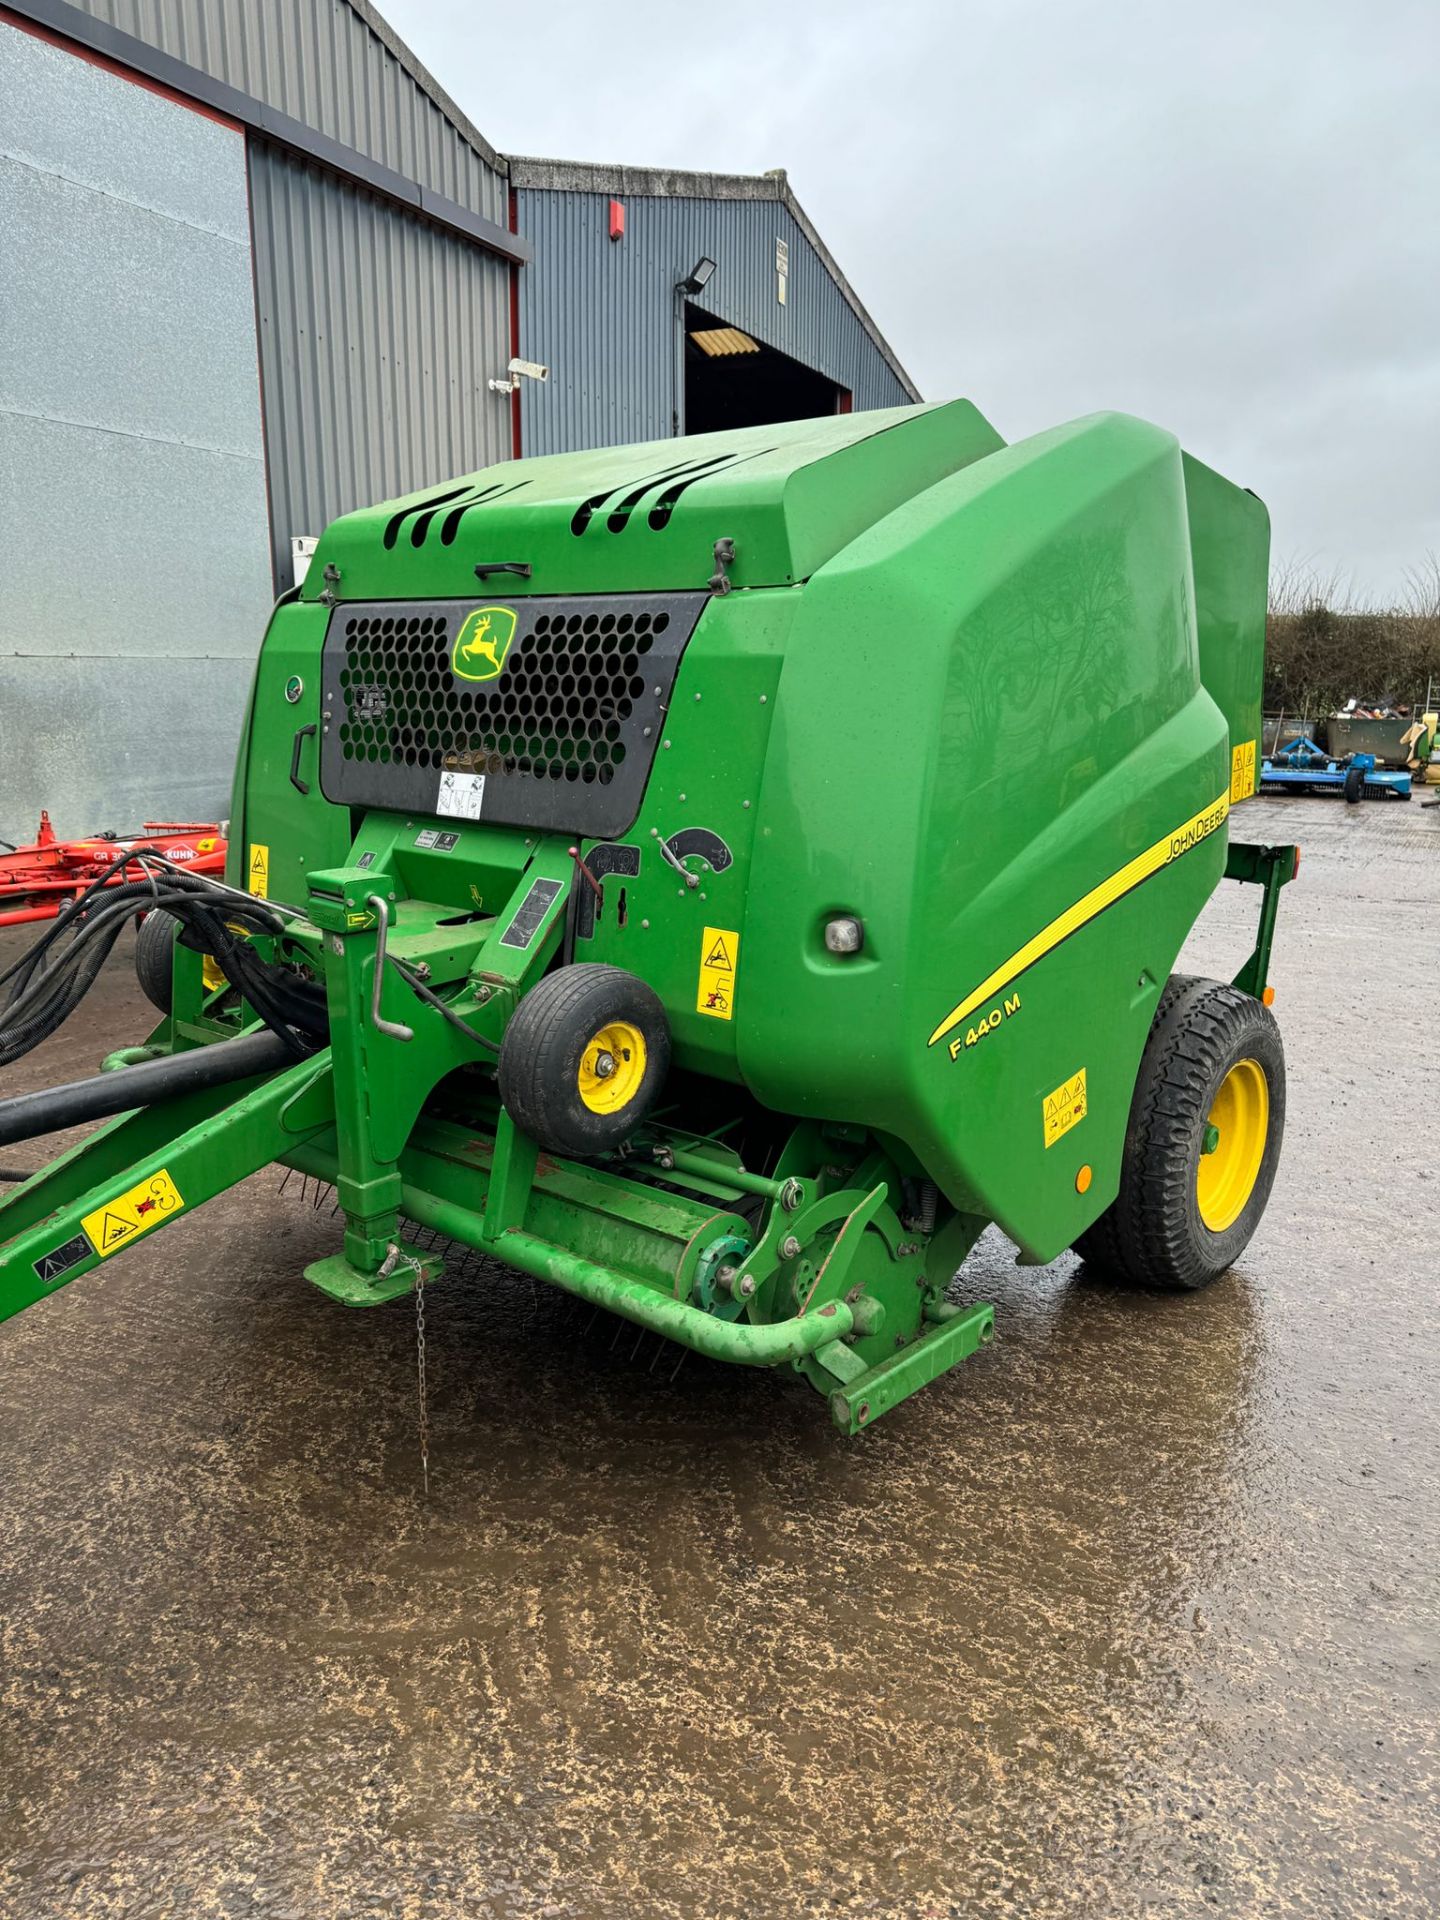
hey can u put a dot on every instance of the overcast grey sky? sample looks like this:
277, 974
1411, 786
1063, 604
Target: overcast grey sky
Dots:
1222, 216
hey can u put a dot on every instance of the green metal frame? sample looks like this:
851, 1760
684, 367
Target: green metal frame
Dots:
1270, 868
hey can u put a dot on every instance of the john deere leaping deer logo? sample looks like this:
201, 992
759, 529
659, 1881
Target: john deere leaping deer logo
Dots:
483, 642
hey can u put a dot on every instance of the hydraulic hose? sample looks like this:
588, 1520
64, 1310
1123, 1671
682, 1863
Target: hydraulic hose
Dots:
53, 1108
50, 979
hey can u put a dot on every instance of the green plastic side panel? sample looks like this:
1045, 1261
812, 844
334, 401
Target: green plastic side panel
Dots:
300, 832
789, 496
1230, 541
990, 704
706, 775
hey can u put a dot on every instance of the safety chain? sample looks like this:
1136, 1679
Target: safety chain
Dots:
396, 1256
420, 1373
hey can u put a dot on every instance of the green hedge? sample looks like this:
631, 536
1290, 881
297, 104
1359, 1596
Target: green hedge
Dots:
1322, 650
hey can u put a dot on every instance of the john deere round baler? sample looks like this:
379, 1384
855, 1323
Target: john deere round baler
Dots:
720, 877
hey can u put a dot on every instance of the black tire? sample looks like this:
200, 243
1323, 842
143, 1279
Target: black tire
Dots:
1354, 785
1153, 1233
155, 957
548, 1039
1099, 1244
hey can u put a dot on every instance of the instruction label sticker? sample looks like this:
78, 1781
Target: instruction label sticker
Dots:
533, 909
54, 1265
461, 795
259, 870
1065, 1108
1242, 771
719, 960
119, 1221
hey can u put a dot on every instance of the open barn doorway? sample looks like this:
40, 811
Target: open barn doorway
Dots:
734, 380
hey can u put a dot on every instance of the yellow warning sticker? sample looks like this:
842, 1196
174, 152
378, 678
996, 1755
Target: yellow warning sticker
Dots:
719, 959
1242, 771
259, 880
1065, 1107
119, 1221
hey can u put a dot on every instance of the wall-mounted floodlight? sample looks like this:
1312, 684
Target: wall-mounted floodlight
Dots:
698, 276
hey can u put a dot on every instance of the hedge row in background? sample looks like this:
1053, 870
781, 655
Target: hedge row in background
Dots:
1322, 649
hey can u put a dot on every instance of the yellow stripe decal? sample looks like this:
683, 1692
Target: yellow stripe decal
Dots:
1197, 828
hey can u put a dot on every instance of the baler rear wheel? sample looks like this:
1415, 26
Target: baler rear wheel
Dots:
155, 957
1099, 1245
584, 1058
1203, 1141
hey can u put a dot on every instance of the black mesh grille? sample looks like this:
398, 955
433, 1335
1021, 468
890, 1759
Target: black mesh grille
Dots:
564, 733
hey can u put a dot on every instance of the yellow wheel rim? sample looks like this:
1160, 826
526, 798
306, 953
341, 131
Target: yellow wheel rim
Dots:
612, 1067
1240, 1118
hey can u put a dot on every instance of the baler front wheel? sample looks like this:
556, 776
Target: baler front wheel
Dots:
584, 1058
1203, 1141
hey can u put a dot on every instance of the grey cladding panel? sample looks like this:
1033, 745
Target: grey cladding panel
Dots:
107, 744
67, 116
604, 317
378, 335
324, 63
134, 575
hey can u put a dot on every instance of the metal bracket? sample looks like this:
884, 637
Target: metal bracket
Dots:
719, 581
958, 1333
1270, 868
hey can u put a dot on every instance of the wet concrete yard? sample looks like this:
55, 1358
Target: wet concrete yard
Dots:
1134, 1614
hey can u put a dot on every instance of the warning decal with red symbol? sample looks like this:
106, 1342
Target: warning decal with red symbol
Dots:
719, 958
128, 1215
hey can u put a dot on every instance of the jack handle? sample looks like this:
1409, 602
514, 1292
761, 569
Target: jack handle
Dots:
393, 1029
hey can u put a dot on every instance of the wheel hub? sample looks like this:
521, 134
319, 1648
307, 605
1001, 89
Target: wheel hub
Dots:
1238, 1125
612, 1066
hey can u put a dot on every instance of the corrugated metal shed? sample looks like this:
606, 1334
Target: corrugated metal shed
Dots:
134, 576
338, 67
377, 336
604, 317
